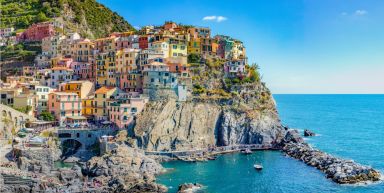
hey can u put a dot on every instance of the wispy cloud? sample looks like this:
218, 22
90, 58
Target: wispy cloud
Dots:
221, 18
136, 27
360, 12
344, 13
214, 18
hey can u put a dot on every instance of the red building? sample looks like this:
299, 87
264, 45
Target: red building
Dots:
143, 42
36, 32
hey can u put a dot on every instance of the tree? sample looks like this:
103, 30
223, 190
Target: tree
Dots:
254, 74
47, 116
41, 17
193, 58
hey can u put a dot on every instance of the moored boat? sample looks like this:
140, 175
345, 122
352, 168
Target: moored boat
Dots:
258, 167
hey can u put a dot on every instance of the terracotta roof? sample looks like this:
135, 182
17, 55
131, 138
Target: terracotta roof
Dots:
104, 90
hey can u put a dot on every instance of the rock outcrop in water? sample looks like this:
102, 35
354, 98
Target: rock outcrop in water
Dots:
339, 170
189, 187
308, 133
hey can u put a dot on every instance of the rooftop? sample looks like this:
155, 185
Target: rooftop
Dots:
104, 90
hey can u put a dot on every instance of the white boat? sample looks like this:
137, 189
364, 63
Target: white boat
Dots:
258, 167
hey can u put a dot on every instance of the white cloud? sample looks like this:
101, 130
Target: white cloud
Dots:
344, 13
137, 27
214, 18
209, 18
360, 12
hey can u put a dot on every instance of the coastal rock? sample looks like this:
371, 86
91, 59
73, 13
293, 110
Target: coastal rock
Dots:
308, 133
125, 170
189, 187
292, 135
37, 159
339, 170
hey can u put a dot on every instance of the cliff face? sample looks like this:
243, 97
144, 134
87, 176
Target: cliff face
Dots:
172, 125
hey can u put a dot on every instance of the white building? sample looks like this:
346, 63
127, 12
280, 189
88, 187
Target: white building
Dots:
6, 32
42, 98
60, 75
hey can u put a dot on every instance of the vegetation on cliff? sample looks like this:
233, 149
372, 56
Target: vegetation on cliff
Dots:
88, 17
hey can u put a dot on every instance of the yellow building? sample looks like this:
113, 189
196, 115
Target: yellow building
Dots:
82, 51
194, 46
127, 60
106, 69
82, 88
177, 48
238, 50
88, 106
102, 95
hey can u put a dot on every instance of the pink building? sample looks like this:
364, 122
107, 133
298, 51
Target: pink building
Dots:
63, 105
123, 42
36, 32
122, 114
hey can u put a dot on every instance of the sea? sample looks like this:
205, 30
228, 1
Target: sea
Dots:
348, 126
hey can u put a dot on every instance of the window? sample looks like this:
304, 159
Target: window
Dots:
77, 135
174, 46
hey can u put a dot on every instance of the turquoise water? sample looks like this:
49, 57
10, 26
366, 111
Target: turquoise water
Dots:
349, 126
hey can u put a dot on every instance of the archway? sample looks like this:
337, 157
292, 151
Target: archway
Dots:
70, 147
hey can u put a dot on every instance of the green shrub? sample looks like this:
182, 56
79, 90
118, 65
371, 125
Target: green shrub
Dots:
193, 58
198, 89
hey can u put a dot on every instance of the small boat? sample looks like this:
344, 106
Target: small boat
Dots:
258, 167
247, 151
212, 158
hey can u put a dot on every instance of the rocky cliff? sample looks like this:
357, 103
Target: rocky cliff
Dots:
171, 125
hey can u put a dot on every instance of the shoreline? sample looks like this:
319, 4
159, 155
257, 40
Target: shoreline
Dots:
339, 170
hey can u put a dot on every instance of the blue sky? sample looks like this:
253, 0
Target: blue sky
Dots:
302, 46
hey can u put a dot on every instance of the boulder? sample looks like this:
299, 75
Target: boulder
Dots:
308, 133
189, 187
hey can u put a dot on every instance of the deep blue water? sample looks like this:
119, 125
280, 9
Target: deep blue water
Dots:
349, 126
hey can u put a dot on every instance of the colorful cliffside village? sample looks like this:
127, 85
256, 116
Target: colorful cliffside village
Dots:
79, 81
